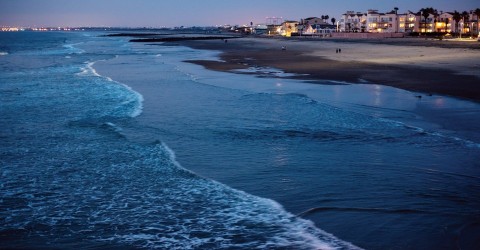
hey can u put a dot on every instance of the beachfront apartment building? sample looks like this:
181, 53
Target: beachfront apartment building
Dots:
287, 28
353, 21
376, 22
372, 21
309, 27
444, 22
470, 24
382, 22
316, 26
408, 22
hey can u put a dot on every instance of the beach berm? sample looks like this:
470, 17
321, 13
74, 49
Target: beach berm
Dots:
449, 68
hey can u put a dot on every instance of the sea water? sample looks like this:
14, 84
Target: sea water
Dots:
108, 144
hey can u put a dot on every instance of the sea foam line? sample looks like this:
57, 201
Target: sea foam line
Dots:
304, 229
467, 143
73, 48
89, 70
139, 97
3, 53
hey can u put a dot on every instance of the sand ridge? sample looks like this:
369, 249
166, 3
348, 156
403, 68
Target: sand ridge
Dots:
463, 60
446, 68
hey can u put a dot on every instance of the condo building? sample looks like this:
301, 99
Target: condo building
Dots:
374, 21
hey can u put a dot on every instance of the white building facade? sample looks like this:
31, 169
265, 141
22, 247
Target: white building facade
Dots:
391, 22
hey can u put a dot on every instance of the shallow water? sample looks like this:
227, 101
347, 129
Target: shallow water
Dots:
80, 171
85, 162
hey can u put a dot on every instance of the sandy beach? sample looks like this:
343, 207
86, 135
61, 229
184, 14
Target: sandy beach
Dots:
449, 68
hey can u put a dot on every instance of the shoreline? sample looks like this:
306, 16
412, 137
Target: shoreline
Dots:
414, 67
222, 154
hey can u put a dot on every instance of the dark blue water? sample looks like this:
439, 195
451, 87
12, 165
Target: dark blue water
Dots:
90, 125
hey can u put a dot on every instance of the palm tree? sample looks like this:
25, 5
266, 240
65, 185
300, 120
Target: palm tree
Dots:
456, 17
333, 20
435, 20
477, 13
447, 20
396, 18
465, 17
425, 12
324, 17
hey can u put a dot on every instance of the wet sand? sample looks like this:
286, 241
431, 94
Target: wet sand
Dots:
430, 67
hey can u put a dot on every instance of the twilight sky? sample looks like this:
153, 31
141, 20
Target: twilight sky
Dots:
170, 13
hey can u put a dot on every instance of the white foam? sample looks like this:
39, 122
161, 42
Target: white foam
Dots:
158, 206
465, 142
74, 49
90, 67
114, 127
138, 98
337, 82
89, 70
173, 158
295, 231
3, 53
267, 71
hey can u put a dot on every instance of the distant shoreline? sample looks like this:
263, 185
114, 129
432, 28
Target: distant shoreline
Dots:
183, 38
153, 37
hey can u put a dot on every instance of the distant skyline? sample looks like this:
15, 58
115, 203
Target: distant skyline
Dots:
171, 13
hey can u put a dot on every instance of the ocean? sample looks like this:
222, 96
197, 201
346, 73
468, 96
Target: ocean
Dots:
107, 144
